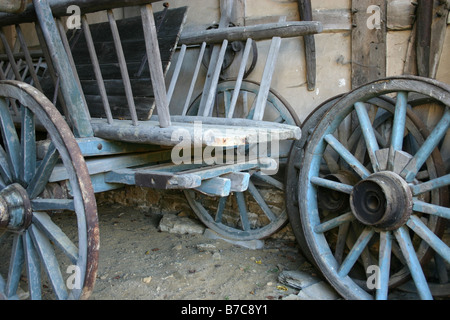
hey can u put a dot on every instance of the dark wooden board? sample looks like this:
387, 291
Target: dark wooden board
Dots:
133, 43
368, 45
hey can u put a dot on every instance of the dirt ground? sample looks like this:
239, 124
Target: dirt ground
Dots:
139, 262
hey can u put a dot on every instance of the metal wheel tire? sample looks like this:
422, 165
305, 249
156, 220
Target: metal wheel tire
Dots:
37, 250
259, 216
292, 171
397, 192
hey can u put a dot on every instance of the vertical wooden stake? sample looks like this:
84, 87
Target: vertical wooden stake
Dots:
155, 65
368, 41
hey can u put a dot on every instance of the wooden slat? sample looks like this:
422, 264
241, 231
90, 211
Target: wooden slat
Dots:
266, 81
123, 67
154, 61
194, 79
215, 61
97, 71
216, 187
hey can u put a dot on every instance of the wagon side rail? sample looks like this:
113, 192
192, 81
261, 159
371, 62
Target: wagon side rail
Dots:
56, 53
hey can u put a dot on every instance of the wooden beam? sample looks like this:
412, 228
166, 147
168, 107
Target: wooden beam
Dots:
105, 164
287, 29
438, 32
216, 187
216, 132
239, 181
368, 41
304, 7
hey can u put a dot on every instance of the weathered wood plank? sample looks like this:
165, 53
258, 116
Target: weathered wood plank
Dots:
92, 146
305, 10
368, 41
400, 14
423, 38
239, 181
438, 32
214, 135
105, 164
216, 187
165, 181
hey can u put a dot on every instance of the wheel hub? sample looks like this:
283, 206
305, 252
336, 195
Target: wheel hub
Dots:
333, 200
384, 201
15, 208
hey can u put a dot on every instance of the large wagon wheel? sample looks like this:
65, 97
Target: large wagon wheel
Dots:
394, 184
31, 238
259, 215
295, 161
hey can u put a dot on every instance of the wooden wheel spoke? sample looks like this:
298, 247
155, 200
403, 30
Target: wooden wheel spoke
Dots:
341, 242
52, 204
56, 235
43, 173
33, 267
16, 266
269, 179
432, 209
356, 252
399, 124
334, 223
385, 265
261, 202
413, 263
368, 133
431, 185
415, 224
220, 209
50, 262
240, 198
333, 185
347, 156
10, 138
427, 147
28, 145
5, 171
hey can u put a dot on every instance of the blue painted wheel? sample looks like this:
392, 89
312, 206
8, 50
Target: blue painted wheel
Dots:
260, 211
42, 258
373, 192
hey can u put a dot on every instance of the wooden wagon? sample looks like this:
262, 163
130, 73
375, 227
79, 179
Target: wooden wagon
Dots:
88, 112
